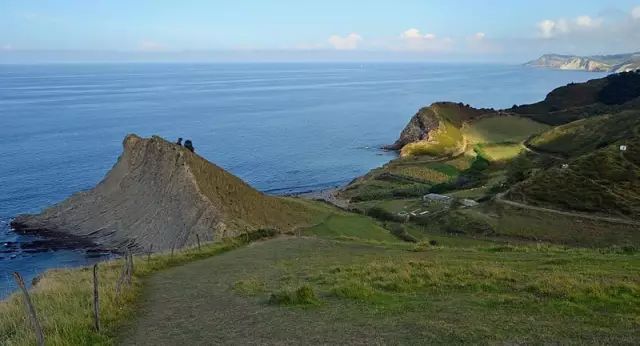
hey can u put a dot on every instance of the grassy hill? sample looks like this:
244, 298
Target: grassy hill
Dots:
507, 152
604, 181
437, 130
611, 94
246, 208
449, 129
586, 135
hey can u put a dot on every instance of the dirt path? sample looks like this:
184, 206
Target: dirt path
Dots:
500, 199
541, 153
195, 304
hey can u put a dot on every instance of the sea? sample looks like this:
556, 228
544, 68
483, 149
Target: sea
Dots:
282, 127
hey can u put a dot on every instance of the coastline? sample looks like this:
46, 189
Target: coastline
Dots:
329, 195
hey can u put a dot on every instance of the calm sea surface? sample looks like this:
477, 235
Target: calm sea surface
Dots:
282, 127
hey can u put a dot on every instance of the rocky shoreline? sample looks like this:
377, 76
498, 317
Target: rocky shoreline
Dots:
46, 240
329, 195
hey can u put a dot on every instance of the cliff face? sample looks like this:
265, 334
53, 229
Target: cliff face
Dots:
563, 62
160, 194
418, 128
599, 63
431, 124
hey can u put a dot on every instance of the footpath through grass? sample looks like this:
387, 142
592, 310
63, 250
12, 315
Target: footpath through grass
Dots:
316, 291
63, 300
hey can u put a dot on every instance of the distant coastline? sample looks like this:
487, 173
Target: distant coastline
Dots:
595, 63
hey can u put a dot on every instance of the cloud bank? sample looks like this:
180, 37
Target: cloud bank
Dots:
348, 42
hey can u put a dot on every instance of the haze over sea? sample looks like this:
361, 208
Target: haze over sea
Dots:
284, 128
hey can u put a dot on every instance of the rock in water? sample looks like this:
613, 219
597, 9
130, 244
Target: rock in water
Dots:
159, 193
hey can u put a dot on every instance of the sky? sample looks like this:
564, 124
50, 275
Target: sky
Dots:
331, 30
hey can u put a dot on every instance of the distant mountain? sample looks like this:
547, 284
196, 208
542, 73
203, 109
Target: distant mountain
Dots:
595, 63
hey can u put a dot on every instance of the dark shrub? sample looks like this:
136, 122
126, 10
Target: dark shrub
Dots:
382, 214
303, 295
401, 232
261, 234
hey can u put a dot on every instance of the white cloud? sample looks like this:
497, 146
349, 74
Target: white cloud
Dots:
588, 22
415, 34
550, 28
6, 47
635, 12
413, 39
151, 46
349, 42
481, 44
546, 28
479, 36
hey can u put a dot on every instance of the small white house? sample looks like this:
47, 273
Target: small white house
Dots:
434, 197
468, 203
623, 148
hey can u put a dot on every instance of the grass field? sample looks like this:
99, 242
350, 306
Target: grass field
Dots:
499, 152
351, 225
63, 297
305, 290
516, 223
63, 300
590, 134
353, 281
407, 177
501, 129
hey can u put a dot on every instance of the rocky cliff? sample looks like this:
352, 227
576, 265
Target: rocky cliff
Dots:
161, 194
598, 63
437, 128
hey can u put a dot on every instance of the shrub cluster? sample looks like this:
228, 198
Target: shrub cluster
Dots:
303, 295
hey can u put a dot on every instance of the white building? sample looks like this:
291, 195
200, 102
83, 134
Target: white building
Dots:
434, 197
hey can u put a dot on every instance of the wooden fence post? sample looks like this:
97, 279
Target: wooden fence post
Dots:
31, 311
124, 274
96, 299
130, 266
149, 253
198, 237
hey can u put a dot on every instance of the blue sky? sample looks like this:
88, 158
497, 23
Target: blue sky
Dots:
481, 30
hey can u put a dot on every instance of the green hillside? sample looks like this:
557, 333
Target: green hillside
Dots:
587, 135
604, 181
611, 94
501, 129
449, 129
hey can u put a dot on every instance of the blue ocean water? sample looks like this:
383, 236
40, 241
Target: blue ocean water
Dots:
281, 127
